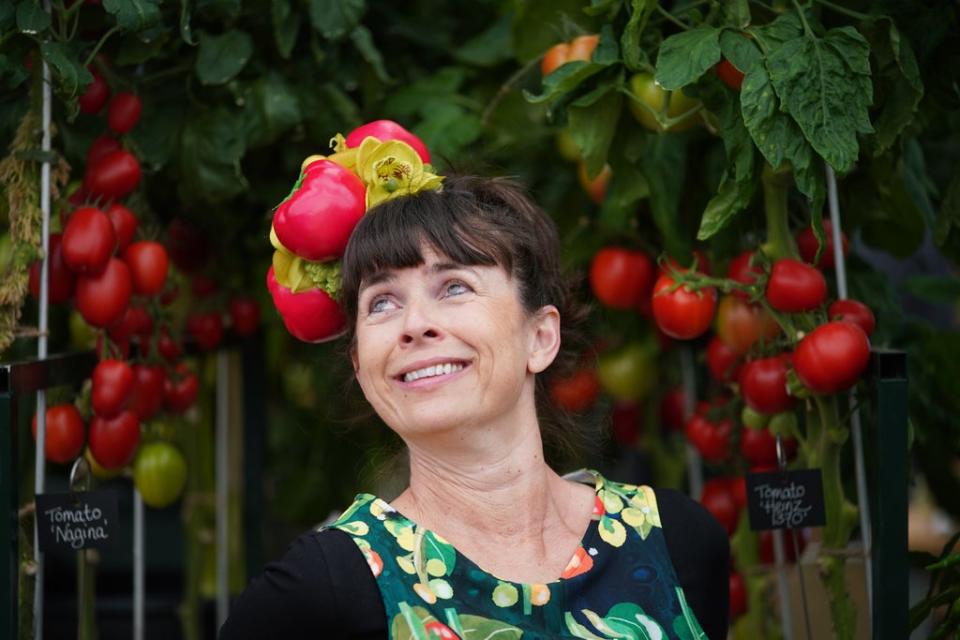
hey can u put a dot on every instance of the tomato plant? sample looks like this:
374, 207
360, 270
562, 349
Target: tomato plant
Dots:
575, 393
711, 438
146, 396
681, 313
159, 473
731, 76
91, 101
717, 497
112, 384
113, 441
595, 187
102, 298
722, 361
630, 372
168, 348
148, 266
114, 175
206, 329
123, 112
763, 384
124, 224
742, 324
60, 278
620, 277
180, 389
64, 433
101, 147
853, 311
794, 286
741, 269
88, 240
832, 357
808, 244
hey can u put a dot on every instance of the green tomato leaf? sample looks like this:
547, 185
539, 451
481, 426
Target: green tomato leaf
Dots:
685, 56
563, 80
447, 129
333, 19
739, 50
633, 55
597, 7
724, 103
186, 31
592, 127
538, 23
737, 13
410, 100
7, 14
286, 26
363, 40
489, 48
271, 108
732, 198
665, 167
899, 87
12, 72
221, 58
211, 146
67, 67
824, 83
133, 15
31, 18
155, 136
787, 27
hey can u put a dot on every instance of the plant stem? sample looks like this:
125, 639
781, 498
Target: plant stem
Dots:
780, 243
99, 45
507, 86
845, 11
672, 18
803, 19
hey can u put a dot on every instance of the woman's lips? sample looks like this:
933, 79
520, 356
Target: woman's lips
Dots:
434, 380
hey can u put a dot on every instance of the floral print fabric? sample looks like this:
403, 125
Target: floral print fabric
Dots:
619, 583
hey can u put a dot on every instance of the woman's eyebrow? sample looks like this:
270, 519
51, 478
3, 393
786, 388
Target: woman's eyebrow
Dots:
376, 278
440, 267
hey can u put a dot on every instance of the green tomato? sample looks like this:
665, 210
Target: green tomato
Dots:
753, 419
159, 473
629, 373
649, 93
567, 147
784, 424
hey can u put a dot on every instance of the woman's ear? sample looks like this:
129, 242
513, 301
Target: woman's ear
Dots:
544, 339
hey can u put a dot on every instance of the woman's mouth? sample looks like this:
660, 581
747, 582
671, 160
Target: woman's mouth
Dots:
433, 371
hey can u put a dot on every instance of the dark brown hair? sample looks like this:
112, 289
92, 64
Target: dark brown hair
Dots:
475, 221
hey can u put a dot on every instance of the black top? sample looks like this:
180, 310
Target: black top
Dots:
323, 582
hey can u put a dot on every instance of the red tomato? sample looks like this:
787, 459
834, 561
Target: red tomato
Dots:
123, 112
620, 278
682, 314
763, 384
102, 299
717, 497
136, 321
100, 147
95, 95
311, 316
807, 244
206, 329
795, 287
113, 441
596, 187
60, 279
711, 439
853, 311
148, 266
316, 220
673, 409
64, 433
124, 224
738, 595
577, 393
722, 361
738, 489
625, 422
832, 357
187, 246
384, 130
112, 384
731, 76
740, 270
169, 348
244, 315
741, 324
180, 389
758, 447
88, 240
146, 397
113, 176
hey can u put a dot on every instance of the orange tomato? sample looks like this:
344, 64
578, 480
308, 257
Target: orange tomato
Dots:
740, 324
595, 187
580, 48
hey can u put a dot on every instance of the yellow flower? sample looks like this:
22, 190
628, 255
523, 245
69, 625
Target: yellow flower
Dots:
390, 169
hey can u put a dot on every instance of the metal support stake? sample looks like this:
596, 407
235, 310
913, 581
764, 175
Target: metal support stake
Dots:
688, 380
222, 425
39, 478
856, 431
139, 583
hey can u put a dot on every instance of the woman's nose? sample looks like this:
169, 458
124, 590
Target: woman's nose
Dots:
418, 324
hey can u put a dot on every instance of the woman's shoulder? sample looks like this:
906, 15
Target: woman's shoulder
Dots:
322, 582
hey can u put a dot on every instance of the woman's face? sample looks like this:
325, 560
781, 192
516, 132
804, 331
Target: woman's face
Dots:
441, 346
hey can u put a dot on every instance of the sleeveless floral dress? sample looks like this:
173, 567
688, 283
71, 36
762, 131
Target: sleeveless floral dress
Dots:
620, 583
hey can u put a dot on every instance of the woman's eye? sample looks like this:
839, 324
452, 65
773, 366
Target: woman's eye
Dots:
380, 304
455, 288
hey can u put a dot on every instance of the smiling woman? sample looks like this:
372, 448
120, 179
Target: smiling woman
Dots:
457, 311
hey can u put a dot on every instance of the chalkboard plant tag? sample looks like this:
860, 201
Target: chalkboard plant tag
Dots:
785, 499
81, 520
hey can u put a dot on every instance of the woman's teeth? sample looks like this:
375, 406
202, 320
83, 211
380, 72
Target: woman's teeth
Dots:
434, 370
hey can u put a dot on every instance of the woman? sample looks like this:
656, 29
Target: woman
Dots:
454, 300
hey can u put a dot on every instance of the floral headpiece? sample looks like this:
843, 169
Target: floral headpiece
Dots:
374, 163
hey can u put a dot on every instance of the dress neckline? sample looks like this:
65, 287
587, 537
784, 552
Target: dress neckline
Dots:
577, 560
